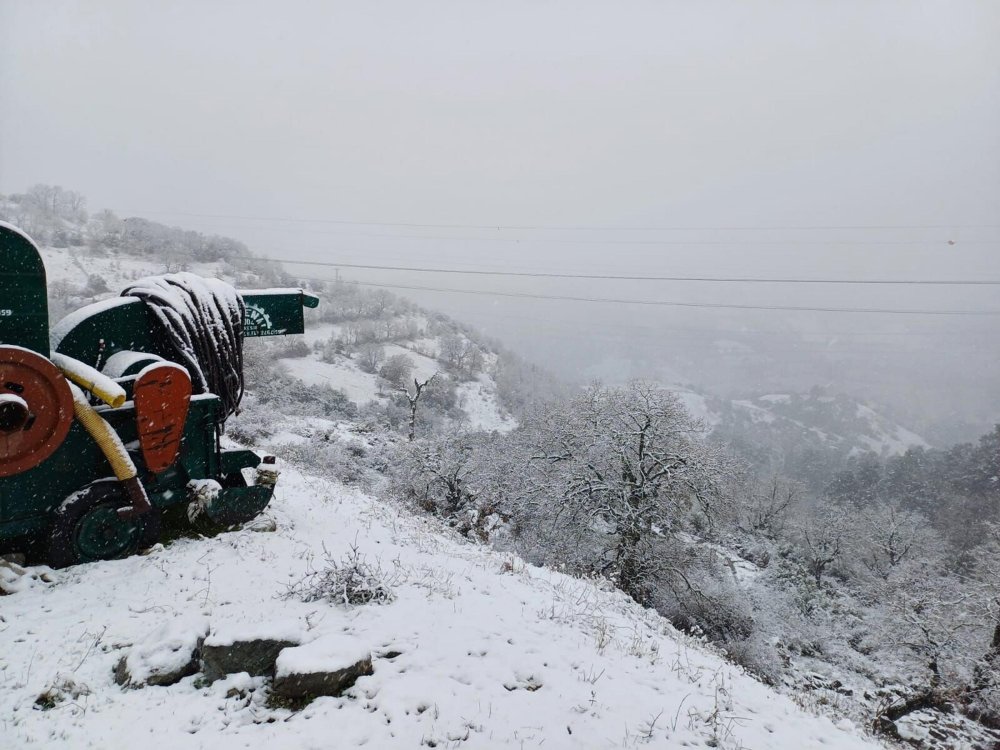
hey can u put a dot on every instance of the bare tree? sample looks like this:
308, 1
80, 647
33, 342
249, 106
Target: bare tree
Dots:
889, 537
460, 354
381, 300
435, 474
983, 698
414, 399
822, 539
352, 334
935, 624
762, 506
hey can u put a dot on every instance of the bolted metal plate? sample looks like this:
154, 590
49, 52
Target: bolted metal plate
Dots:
162, 394
36, 382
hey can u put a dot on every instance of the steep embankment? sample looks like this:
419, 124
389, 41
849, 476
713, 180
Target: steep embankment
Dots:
475, 650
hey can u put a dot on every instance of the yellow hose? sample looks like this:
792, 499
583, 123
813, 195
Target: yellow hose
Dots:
106, 438
94, 381
114, 450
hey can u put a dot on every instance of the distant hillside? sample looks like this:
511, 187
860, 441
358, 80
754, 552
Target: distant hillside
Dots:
806, 435
361, 349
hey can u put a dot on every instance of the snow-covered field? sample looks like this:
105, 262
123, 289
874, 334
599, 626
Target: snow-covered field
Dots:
477, 398
491, 652
73, 266
479, 401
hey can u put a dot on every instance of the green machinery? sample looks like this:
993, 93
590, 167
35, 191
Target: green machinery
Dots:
113, 418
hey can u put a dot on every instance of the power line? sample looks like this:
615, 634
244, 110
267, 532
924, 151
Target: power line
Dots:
700, 333
615, 277
662, 303
690, 346
707, 338
618, 241
564, 228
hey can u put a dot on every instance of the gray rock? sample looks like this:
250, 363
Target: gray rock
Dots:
165, 657
314, 682
262, 524
167, 676
254, 656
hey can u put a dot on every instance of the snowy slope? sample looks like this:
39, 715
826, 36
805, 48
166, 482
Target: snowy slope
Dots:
477, 398
831, 421
492, 653
73, 266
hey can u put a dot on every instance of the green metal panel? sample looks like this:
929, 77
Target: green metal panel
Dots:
94, 333
275, 312
24, 311
234, 461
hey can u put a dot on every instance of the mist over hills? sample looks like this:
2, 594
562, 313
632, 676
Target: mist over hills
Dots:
731, 374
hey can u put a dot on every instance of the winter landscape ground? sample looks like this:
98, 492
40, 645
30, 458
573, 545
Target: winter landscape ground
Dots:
478, 649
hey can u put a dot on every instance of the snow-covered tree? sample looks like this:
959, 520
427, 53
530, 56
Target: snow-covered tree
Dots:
762, 506
822, 539
886, 539
370, 357
396, 370
616, 468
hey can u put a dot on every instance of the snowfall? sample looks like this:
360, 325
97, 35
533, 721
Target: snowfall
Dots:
477, 649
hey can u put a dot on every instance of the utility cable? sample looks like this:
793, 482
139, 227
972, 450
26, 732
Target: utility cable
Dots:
663, 303
568, 228
616, 277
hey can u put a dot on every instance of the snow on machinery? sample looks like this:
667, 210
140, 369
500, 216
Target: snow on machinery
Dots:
115, 416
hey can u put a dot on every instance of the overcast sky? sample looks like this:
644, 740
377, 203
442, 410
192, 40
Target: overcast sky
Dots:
877, 121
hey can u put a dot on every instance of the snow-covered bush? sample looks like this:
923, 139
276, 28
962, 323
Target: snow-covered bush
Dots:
292, 347
350, 581
332, 458
447, 476
371, 357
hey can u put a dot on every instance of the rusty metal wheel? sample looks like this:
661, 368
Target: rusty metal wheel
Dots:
37, 413
88, 527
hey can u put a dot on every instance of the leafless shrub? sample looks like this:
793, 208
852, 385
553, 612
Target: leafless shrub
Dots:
350, 581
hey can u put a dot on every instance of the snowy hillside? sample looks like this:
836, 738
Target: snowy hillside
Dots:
478, 403
476, 395
475, 650
839, 422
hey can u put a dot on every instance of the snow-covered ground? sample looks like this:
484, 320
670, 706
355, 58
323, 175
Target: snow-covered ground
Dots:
491, 652
344, 375
73, 266
477, 398
888, 438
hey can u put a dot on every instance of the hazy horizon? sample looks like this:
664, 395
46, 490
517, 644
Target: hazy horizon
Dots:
766, 139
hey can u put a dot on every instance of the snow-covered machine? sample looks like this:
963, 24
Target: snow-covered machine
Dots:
114, 418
